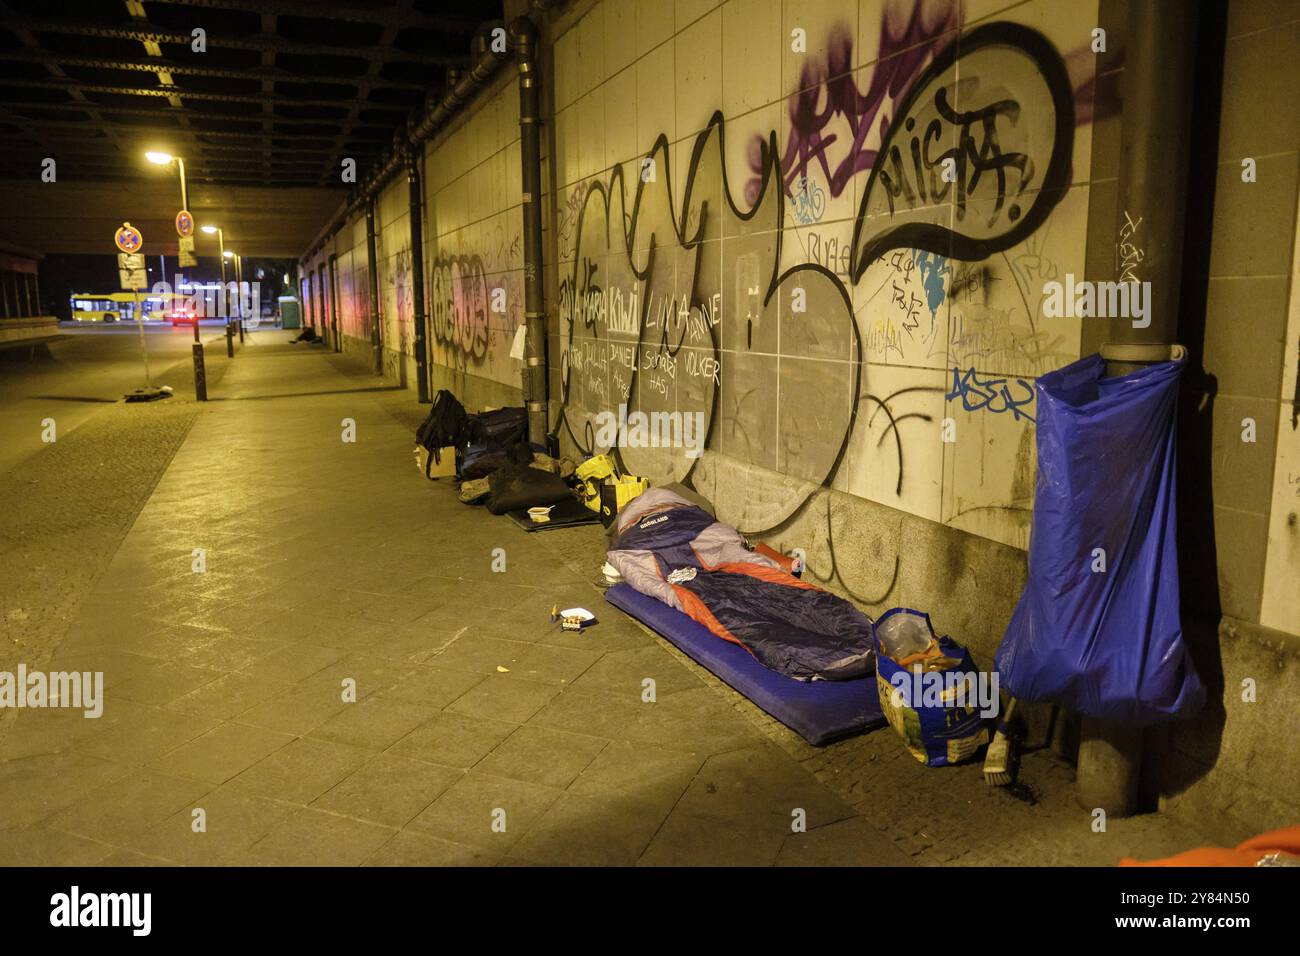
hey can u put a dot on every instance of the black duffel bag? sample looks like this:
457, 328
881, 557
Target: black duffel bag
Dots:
517, 486
502, 427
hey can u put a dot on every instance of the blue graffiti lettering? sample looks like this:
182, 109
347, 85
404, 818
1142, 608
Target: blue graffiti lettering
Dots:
992, 394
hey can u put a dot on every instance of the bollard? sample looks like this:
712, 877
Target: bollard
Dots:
230, 340
1109, 763
200, 374
241, 331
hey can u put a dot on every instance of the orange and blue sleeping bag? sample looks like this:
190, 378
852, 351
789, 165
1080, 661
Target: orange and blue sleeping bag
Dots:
673, 550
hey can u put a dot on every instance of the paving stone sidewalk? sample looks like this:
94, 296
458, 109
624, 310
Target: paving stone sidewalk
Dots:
479, 734
934, 817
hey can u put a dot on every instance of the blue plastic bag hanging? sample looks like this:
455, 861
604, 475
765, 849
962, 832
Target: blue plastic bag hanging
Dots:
1097, 629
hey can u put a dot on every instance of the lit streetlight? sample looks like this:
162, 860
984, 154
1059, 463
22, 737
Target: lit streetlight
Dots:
225, 254
221, 245
238, 262
166, 159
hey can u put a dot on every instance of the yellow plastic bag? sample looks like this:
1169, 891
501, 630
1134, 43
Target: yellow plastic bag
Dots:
605, 490
592, 473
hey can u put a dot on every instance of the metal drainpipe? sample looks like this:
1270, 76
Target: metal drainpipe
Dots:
535, 385
324, 322
376, 341
417, 273
1158, 77
334, 300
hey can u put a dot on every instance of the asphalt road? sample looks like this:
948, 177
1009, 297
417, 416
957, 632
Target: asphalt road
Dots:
71, 377
68, 503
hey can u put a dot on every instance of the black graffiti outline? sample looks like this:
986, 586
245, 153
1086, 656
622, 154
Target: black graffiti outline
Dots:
934, 238
659, 154
835, 575
925, 236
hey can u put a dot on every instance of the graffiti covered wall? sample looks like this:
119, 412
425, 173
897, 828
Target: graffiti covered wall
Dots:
473, 258
826, 228
352, 279
473, 244
393, 257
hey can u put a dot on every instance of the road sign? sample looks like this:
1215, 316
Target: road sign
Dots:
184, 224
131, 274
186, 247
131, 270
128, 238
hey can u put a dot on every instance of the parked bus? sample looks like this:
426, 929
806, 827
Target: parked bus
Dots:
119, 306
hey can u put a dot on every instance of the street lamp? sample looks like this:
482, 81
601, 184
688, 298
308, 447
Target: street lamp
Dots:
165, 159
221, 244
238, 262
225, 254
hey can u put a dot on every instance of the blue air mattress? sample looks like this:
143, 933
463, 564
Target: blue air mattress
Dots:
819, 711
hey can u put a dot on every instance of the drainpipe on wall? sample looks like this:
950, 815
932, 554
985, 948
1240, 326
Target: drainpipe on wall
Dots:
535, 385
334, 300
324, 323
417, 272
376, 341
1158, 78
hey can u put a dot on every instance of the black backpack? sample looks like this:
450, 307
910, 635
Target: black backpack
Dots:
502, 427
445, 425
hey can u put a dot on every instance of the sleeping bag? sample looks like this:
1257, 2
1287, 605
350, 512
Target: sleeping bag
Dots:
672, 550
516, 486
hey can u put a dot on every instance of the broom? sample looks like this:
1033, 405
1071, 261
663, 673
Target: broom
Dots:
1001, 758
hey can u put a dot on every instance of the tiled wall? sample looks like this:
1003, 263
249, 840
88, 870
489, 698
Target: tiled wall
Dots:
473, 239
353, 286
1253, 319
812, 367
473, 255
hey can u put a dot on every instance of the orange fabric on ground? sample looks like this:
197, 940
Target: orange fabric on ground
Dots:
1248, 853
764, 573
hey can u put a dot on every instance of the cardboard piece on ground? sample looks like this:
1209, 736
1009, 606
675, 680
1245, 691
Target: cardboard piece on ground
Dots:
442, 467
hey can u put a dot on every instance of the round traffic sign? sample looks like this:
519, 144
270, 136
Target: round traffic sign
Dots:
128, 238
184, 224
